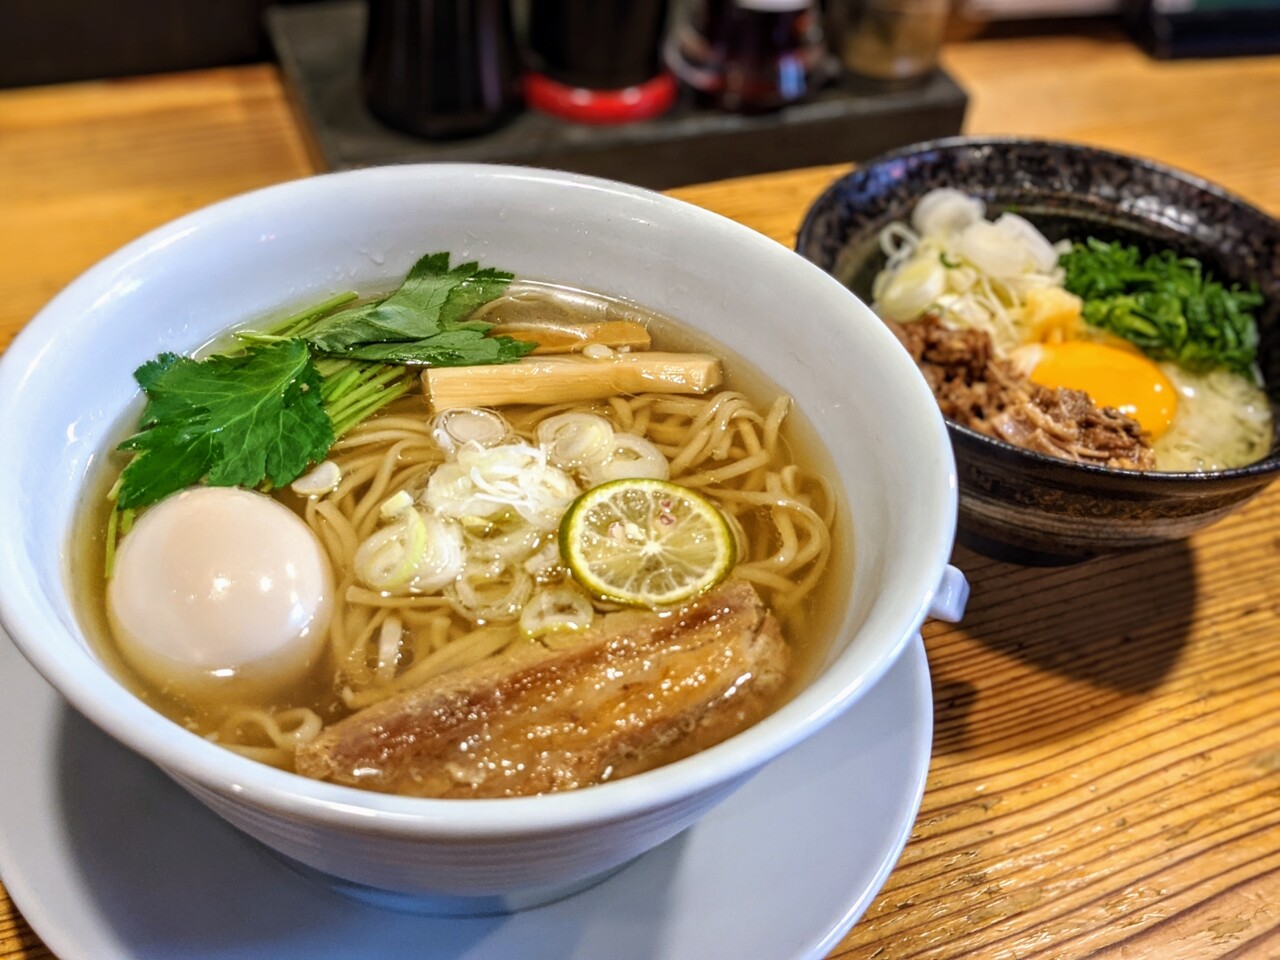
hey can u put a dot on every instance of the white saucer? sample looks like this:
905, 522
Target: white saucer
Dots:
109, 860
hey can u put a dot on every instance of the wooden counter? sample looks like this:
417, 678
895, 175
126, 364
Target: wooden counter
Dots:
1106, 768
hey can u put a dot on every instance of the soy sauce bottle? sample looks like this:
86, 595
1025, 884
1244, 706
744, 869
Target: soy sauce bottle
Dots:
441, 68
750, 56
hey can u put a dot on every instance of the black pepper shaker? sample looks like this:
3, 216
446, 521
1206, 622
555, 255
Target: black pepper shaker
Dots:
441, 68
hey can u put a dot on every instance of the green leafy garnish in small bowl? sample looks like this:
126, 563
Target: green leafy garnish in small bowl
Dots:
1168, 306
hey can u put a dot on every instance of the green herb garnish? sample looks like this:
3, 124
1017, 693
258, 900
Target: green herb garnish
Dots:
1166, 305
354, 391
237, 420
260, 417
424, 322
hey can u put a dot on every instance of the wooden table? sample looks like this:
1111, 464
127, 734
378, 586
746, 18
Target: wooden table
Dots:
1106, 768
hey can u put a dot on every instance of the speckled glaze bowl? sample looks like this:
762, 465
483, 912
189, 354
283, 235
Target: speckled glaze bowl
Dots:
1026, 506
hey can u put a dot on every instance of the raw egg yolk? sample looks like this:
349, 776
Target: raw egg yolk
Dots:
1111, 377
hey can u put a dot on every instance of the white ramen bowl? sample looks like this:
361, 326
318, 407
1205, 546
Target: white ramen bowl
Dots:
67, 380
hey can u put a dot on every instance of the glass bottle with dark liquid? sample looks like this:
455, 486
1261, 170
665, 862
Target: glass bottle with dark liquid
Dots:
441, 68
750, 55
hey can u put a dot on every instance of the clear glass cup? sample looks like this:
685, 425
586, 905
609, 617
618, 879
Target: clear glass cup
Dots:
894, 40
749, 56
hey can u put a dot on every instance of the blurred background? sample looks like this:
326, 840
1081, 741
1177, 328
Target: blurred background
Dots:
661, 93
45, 42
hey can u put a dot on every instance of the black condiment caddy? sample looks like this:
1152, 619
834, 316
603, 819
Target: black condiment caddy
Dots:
320, 45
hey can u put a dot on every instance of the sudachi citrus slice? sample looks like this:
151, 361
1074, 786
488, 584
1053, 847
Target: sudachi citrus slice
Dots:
645, 543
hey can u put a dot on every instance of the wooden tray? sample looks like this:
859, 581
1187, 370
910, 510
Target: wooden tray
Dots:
319, 46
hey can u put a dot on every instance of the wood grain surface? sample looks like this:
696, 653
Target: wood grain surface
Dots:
1106, 770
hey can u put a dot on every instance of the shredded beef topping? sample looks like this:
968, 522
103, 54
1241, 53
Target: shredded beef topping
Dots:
988, 394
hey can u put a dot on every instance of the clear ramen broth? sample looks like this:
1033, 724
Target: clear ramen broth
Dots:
741, 446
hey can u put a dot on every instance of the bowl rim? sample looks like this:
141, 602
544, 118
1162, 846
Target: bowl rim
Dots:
1102, 474
108, 704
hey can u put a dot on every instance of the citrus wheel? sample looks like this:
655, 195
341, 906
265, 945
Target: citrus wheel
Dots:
646, 543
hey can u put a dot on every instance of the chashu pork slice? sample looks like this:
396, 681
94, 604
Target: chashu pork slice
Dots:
636, 690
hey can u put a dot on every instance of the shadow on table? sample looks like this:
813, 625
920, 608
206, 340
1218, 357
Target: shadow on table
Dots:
1108, 630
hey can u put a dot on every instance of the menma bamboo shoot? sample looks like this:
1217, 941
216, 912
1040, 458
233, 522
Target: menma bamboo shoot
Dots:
567, 379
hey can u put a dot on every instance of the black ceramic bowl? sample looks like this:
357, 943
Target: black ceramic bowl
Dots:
1021, 505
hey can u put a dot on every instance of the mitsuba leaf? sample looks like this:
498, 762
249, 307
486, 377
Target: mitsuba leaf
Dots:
434, 300
411, 313
453, 348
477, 289
241, 420
184, 459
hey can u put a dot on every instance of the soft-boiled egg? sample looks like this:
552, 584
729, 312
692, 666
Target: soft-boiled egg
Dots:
1111, 376
223, 592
